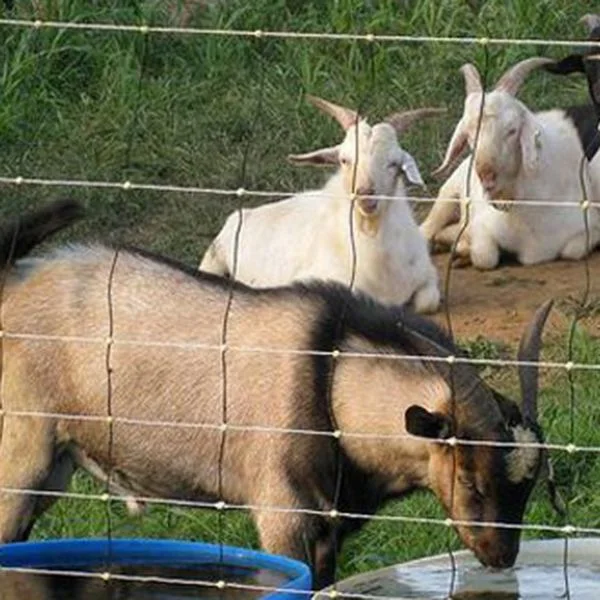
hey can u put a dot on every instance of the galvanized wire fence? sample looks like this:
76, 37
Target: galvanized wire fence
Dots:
226, 349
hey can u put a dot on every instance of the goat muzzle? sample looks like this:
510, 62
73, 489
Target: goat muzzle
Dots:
488, 177
498, 560
368, 206
497, 551
365, 202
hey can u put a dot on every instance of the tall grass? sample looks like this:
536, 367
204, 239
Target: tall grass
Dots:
212, 111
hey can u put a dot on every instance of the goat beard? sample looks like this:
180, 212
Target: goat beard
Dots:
368, 216
503, 199
503, 204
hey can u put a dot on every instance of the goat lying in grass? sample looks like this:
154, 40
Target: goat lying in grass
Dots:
308, 236
161, 326
522, 156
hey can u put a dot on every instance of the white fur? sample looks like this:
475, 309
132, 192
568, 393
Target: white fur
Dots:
522, 462
535, 156
308, 236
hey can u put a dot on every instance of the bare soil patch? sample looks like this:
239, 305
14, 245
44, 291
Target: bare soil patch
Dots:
498, 304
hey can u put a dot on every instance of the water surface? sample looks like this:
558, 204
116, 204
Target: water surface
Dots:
527, 582
25, 586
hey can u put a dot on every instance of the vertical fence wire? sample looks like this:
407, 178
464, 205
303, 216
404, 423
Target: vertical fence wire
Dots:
109, 410
138, 99
579, 312
339, 458
110, 308
229, 303
464, 224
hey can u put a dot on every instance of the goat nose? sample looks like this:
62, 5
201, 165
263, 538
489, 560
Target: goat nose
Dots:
500, 559
487, 175
365, 190
366, 203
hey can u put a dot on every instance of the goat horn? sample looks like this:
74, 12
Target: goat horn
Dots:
346, 117
529, 351
591, 21
513, 79
401, 121
472, 79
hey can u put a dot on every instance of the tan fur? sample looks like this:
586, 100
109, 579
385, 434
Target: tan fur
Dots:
165, 351
67, 295
372, 384
171, 392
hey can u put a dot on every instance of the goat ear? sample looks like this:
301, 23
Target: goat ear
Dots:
530, 145
509, 409
570, 64
458, 142
411, 170
422, 423
324, 156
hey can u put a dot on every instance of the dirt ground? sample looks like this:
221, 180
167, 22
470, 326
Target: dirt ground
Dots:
497, 304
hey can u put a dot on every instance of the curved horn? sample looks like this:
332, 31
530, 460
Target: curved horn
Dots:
591, 21
529, 351
346, 117
401, 121
513, 79
457, 144
472, 79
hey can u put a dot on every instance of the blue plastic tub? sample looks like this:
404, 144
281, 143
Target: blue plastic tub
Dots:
92, 554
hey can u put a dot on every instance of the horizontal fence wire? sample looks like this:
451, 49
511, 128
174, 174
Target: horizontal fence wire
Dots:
421, 358
216, 585
221, 505
337, 433
297, 35
242, 192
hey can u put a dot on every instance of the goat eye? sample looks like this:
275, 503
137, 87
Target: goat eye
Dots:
344, 161
471, 486
394, 165
511, 132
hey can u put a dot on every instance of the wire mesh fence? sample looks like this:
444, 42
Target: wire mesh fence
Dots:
570, 435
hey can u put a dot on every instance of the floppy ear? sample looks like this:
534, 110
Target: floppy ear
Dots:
324, 156
411, 170
458, 142
420, 422
530, 145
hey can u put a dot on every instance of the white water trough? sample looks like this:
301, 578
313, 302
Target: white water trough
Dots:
538, 574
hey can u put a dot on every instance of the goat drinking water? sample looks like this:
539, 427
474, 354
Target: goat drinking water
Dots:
159, 422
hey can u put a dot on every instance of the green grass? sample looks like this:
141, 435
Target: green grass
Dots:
224, 112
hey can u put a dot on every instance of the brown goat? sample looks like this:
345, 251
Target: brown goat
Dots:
148, 315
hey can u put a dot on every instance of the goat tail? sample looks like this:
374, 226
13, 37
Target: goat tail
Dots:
20, 236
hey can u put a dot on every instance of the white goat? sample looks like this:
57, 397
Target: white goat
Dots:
307, 236
523, 156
